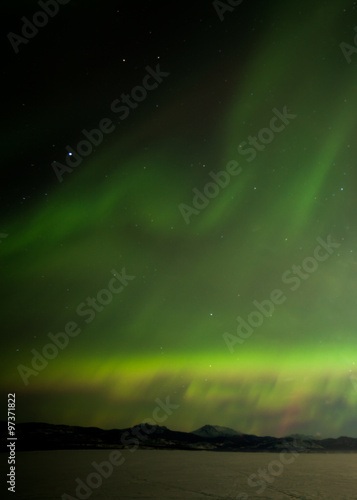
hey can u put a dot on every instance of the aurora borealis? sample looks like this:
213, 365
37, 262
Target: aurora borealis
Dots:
175, 285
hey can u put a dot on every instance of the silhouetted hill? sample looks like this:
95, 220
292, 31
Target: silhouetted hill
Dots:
42, 436
214, 431
304, 436
342, 443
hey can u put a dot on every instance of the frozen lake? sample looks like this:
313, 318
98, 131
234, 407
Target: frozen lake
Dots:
154, 474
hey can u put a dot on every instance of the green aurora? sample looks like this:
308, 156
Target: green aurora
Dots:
163, 335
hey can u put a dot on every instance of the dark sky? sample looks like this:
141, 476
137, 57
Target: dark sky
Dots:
178, 214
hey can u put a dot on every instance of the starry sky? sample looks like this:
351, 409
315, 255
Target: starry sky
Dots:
179, 214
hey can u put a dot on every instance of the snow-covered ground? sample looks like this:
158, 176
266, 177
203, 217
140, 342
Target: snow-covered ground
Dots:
161, 475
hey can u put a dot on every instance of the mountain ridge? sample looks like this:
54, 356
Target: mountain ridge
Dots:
215, 431
42, 436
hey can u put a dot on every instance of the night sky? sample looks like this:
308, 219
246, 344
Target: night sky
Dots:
178, 195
